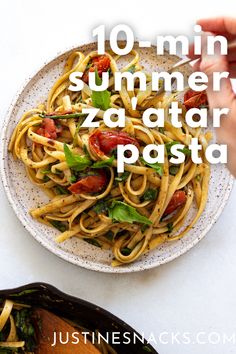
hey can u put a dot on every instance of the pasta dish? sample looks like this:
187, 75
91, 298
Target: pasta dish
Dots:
131, 212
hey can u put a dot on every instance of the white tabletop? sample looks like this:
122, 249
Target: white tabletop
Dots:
195, 293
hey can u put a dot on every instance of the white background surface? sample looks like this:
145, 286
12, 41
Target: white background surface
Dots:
194, 293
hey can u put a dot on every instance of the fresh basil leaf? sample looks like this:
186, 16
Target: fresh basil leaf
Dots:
186, 151
57, 172
123, 212
73, 179
156, 166
25, 329
170, 227
46, 179
100, 207
123, 177
100, 99
103, 163
92, 241
58, 225
61, 190
169, 145
45, 172
150, 194
173, 170
126, 251
109, 235
76, 162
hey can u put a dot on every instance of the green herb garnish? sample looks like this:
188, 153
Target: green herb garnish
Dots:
170, 227
186, 151
100, 99
173, 170
109, 235
25, 329
61, 190
123, 177
103, 163
100, 207
123, 212
150, 194
92, 241
126, 251
46, 179
76, 162
58, 225
156, 166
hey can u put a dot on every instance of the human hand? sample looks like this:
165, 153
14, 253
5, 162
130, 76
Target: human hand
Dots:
225, 98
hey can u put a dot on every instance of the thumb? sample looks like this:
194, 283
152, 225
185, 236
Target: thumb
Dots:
216, 63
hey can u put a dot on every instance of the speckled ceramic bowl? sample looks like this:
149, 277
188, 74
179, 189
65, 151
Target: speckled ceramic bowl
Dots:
24, 196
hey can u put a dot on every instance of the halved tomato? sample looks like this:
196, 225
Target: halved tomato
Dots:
101, 63
105, 141
178, 199
90, 184
48, 129
193, 99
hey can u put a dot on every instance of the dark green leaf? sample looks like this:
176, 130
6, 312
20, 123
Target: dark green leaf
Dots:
25, 328
73, 179
156, 166
169, 145
46, 179
61, 190
100, 99
123, 212
45, 172
101, 207
123, 177
58, 225
76, 162
109, 235
170, 226
150, 194
103, 163
126, 251
173, 170
161, 130
92, 241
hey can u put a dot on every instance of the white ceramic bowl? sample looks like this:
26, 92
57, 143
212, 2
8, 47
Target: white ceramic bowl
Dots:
23, 195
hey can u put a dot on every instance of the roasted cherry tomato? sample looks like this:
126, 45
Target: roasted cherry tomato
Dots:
90, 184
193, 99
178, 199
48, 129
101, 63
105, 141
